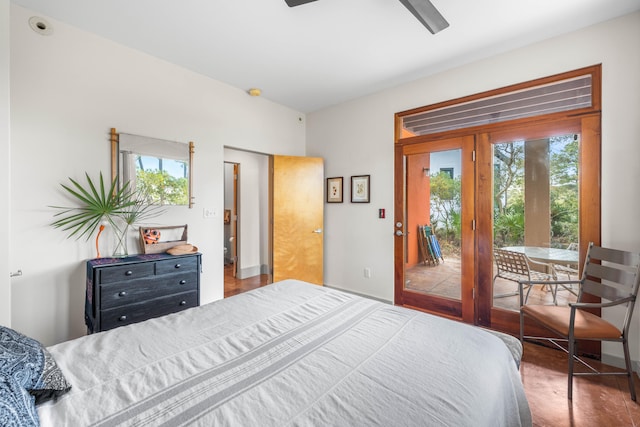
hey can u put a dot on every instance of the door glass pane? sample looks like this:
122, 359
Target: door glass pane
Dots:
432, 264
536, 216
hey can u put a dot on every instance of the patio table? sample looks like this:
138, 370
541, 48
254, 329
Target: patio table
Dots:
548, 255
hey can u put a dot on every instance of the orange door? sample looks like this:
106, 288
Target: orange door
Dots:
297, 216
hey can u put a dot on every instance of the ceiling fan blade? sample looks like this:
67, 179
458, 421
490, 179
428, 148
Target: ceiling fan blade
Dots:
426, 13
293, 3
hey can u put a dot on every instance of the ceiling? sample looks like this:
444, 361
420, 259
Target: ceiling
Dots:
325, 52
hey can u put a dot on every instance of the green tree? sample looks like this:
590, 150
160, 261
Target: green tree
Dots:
161, 188
445, 206
508, 227
564, 189
508, 193
508, 170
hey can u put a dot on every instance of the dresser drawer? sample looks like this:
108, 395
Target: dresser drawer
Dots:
125, 272
122, 293
133, 313
177, 265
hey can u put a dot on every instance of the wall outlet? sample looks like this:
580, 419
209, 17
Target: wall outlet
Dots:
367, 273
208, 213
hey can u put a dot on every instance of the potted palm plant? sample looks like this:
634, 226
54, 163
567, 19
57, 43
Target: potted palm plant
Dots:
120, 208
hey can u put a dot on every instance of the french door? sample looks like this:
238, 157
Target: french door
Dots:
533, 185
434, 226
539, 189
516, 168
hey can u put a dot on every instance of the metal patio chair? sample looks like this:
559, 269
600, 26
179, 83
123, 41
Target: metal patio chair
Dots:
516, 266
613, 276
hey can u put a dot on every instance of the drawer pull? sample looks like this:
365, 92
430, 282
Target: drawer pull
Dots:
178, 265
122, 293
183, 302
128, 273
122, 318
182, 282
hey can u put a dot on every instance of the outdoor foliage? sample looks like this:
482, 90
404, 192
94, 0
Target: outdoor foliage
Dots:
564, 190
161, 188
509, 196
445, 209
509, 201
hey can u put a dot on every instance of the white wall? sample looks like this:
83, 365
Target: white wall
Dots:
5, 116
253, 211
357, 138
67, 90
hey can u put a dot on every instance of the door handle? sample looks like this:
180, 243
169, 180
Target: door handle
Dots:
318, 230
399, 233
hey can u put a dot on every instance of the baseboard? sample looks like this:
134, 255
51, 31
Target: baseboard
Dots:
618, 362
247, 272
254, 270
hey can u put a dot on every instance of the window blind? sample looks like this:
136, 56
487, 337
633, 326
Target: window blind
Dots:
563, 95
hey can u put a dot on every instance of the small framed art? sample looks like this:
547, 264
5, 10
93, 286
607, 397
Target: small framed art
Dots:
360, 189
334, 190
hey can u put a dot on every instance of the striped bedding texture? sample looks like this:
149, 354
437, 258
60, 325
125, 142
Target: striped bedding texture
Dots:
290, 354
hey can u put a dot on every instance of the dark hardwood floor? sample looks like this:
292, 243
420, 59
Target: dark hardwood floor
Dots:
233, 286
597, 401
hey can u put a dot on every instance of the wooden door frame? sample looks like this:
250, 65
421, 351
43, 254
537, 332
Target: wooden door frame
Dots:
234, 219
588, 126
464, 308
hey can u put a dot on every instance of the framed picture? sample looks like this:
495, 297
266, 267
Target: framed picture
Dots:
360, 189
334, 190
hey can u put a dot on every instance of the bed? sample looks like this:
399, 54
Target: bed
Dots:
295, 354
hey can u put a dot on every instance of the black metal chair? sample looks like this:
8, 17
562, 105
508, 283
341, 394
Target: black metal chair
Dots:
614, 276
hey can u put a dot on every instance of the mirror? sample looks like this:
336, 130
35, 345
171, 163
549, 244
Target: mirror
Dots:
160, 168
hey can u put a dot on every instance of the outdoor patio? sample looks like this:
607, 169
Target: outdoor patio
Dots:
444, 280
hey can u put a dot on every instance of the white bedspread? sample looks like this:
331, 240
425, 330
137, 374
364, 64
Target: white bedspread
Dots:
290, 354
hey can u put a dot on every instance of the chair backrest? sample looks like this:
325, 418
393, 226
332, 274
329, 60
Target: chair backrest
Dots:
611, 274
511, 262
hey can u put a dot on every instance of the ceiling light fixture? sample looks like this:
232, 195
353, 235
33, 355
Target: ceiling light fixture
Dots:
40, 26
254, 92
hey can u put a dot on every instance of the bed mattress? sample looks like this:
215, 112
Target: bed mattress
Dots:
290, 354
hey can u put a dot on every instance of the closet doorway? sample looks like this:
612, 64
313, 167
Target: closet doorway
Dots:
231, 171
275, 208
